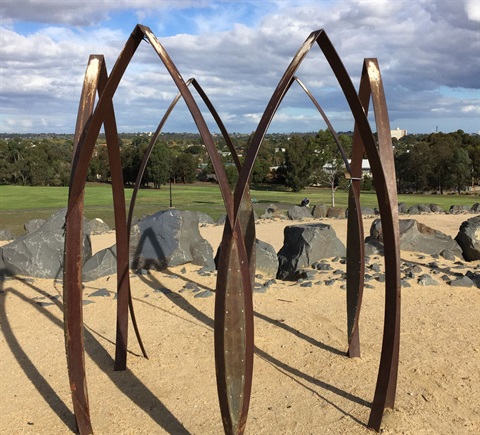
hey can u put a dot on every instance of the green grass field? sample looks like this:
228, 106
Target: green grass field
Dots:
19, 204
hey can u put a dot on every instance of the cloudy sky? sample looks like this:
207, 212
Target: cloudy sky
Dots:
428, 51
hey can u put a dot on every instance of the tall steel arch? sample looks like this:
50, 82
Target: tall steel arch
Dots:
233, 301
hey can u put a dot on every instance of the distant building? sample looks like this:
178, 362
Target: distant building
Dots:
330, 167
397, 133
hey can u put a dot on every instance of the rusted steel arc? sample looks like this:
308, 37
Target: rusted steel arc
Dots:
386, 196
148, 152
355, 252
234, 361
234, 331
327, 121
355, 235
272, 106
219, 122
355, 268
241, 246
122, 236
361, 121
92, 127
235, 228
85, 142
197, 118
387, 375
146, 158
72, 280
355, 245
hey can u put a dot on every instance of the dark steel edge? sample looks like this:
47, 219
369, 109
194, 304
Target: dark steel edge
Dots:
72, 277
385, 391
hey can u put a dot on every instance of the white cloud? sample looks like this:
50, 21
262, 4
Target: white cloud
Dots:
421, 48
472, 8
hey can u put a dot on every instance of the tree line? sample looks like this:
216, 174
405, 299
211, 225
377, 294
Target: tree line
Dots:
436, 162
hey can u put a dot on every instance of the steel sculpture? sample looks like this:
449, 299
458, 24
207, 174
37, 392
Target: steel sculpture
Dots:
233, 301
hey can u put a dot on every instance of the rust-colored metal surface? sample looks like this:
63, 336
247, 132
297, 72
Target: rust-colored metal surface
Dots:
236, 268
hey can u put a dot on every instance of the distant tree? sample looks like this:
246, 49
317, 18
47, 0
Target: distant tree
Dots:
184, 168
330, 170
439, 160
232, 175
299, 163
460, 169
160, 165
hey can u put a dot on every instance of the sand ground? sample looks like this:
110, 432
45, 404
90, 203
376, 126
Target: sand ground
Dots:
303, 382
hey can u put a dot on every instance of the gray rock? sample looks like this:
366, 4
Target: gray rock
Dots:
468, 238
402, 207
204, 218
222, 219
322, 266
436, 208
426, 280
169, 238
266, 259
458, 209
475, 208
336, 213
413, 210
6, 235
368, 211
475, 277
373, 247
463, 281
304, 245
448, 255
40, 254
98, 226
424, 208
33, 225
204, 294
319, 211
273, 212
417, 237
297, 213
103, 263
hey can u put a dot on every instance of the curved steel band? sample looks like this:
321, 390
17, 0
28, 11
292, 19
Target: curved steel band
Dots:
236, 269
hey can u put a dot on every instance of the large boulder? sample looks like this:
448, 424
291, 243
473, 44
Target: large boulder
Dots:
319, 211
40, 253
458, 209
169, 238
266, 260
468, 238
402, 208
305, 244
103, 263
273, 212
417, 237
436, 208
297, 213
424, 208
336, 213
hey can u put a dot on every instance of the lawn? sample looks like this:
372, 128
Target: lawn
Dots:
19, 204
